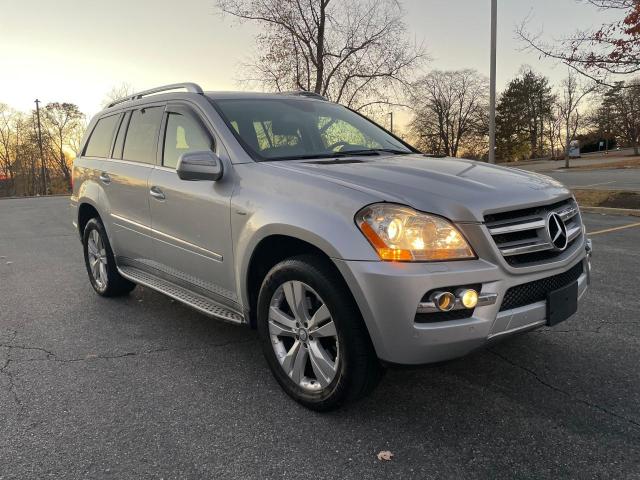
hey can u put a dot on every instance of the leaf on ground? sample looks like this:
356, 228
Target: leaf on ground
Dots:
385, 455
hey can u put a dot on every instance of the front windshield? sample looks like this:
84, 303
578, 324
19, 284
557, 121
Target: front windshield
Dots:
290, 128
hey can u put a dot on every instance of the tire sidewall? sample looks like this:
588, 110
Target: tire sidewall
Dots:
341, 312
92, 225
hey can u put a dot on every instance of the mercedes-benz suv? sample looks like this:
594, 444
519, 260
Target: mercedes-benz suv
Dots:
345, 247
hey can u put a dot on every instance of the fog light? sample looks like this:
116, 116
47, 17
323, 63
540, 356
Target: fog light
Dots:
444, 301
468, 297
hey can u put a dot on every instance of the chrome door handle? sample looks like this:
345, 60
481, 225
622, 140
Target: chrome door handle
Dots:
105, 178
155, 192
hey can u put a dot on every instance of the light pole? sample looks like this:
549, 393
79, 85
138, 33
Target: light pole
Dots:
391, 121
43, 168
492, 83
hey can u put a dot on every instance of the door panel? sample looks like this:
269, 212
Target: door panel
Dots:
126, 182
191, 219
192, 233
128, 198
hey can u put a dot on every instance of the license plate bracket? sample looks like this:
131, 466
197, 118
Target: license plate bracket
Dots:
562, 303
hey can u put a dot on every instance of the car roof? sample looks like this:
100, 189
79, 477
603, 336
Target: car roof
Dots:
223, 95
212, 95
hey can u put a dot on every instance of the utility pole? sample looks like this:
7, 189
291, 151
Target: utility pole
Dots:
43, 170
492, 82
391, 116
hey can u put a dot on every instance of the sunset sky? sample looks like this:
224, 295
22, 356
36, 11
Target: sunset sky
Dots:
77, 50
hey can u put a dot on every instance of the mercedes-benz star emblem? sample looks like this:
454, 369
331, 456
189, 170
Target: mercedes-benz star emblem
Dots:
557, 231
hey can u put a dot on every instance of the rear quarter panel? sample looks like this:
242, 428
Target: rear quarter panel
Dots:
87, 187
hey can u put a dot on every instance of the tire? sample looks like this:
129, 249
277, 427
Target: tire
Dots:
105, 279
303, 357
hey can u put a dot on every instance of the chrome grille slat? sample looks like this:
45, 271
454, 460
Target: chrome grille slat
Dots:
523, 237
568, 213
573, 233
518, 227
537, 247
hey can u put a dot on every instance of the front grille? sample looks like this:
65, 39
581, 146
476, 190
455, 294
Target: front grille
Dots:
536, 291
521, 235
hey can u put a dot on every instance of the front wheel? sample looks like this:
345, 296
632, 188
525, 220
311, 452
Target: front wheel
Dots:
313, 335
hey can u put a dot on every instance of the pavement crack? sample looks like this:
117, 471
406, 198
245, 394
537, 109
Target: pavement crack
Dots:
12, 385
5, 371
90, 356
540, 380
11, 346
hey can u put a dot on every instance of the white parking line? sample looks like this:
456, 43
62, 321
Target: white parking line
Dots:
607, 230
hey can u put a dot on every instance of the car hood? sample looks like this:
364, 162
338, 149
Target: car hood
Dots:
461, 190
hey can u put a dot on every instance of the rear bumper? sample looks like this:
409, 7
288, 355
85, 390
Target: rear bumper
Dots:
388, 295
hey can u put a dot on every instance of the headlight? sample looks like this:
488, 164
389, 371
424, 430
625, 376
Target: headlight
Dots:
402, 234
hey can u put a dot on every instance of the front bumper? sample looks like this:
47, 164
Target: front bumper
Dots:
388, 295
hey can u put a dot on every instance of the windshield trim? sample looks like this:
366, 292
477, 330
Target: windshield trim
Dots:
261, 158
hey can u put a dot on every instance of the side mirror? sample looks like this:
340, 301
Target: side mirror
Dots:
199, 165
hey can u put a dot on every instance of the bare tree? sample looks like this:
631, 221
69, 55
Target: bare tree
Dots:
7, 145
76, 134
116, 93
355, 52
450, 110
62, 120
611, 49
573, 93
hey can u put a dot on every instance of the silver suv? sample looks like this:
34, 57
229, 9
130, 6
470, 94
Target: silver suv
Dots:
345, 247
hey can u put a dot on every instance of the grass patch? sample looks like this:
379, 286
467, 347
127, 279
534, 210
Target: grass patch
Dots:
607, 198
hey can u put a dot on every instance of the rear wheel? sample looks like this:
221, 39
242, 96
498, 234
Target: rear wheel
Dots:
100, 262
313, 335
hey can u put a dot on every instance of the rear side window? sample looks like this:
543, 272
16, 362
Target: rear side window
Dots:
184, 134
122, 131
142, 136
99, 144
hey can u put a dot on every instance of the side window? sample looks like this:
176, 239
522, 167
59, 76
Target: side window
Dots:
122, 131
142, 135
99, 144
184, 133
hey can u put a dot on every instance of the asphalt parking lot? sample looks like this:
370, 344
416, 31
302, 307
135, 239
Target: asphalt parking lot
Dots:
605, 179
142, 387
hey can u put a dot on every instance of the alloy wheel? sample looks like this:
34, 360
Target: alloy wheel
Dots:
303, 335
97, 259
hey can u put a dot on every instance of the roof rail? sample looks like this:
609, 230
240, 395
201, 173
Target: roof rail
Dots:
306, 93
189, 86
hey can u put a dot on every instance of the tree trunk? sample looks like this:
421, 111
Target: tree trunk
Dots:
320, 49
567, 145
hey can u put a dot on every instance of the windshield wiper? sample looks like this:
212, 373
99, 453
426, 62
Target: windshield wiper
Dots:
348, 153
372, 151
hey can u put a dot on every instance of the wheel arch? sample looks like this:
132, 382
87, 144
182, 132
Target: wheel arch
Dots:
86, 211
268, 251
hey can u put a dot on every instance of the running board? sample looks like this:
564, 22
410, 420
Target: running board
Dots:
198, 302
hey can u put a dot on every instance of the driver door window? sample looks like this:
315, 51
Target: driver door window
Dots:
184, 133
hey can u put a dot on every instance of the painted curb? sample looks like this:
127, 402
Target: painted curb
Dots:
611, 211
